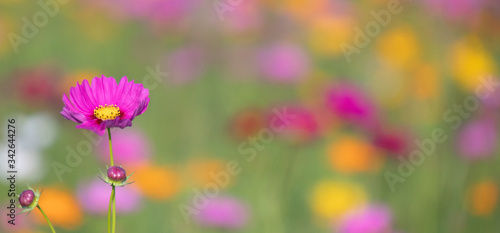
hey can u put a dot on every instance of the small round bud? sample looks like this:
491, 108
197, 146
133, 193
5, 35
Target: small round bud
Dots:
116, 173
26, 198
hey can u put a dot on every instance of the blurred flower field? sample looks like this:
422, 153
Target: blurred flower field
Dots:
365, 116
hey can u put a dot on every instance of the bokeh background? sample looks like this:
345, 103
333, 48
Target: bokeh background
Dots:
367, 82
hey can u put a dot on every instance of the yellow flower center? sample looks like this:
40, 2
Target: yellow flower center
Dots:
106, 112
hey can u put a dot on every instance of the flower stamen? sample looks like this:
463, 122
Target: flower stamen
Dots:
107, 112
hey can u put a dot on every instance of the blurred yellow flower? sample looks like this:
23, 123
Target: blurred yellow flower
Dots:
7, 26
97, 27
156, 181
399, 47
331, 199
327, 32
62, 208
483, 198
352, 155
470, 62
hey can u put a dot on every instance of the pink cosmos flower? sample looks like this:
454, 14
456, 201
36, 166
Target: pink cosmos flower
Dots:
105, 104
370, 219
223, 212
130, 147
94, 197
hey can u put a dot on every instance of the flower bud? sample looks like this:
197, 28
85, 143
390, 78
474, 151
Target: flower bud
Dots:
117, 174
26, 198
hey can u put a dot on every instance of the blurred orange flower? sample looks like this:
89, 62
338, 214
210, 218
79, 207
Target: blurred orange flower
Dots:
328, 32
332, 199
62, 208
426, 82
400, 47
247, 122
352, 155
199, 171
304, 9
70, 80
157, 182
483, 198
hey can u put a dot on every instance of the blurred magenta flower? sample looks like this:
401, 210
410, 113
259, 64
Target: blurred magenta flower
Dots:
301, 128
93, 196
392, 141
105, 104
351, 104
224, 212
131, 148
283, 62
185, 65
369, 219
477, 139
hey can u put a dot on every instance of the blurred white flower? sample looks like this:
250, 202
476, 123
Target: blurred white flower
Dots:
37, 131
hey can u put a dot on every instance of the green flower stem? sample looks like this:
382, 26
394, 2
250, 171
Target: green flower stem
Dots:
114, 209
112, 203
109, 210
110, 148
46, 218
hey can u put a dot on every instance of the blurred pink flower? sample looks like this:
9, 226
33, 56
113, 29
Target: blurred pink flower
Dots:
477, 139
302, 126
491, 103
224, 212
456, 10
349, 103
185, 65
283, 62
243, 16
370, 219
94, 197
23, 222
151, 11
130, 147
